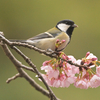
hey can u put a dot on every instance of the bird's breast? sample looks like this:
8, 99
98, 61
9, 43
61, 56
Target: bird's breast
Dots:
63, 36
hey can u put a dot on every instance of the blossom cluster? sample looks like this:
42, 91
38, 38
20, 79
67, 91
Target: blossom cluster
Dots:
59, 73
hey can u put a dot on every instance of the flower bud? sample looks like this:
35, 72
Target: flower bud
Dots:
57, 40
87, 54
94, 59
63, 41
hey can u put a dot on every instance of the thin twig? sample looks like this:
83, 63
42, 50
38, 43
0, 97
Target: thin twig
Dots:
28, 68
13, 78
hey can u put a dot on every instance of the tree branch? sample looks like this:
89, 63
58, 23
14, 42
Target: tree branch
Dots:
51, 54
35, 70
22, 72
19, 67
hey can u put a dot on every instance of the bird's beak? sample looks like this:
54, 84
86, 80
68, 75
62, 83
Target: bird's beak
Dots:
74, 25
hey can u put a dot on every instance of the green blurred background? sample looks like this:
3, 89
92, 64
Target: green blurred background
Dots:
22, 19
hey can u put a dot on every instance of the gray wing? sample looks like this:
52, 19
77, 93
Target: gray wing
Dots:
49, 34
42, 36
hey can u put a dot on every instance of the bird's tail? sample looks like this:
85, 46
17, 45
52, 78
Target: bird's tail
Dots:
13, 40
23, 41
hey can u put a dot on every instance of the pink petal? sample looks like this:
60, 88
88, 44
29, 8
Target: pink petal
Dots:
95, 81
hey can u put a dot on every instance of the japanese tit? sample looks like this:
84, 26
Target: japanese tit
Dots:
62, 31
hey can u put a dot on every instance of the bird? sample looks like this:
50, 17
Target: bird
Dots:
46, 40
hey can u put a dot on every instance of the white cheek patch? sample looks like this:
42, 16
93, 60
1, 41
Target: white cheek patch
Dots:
63, 27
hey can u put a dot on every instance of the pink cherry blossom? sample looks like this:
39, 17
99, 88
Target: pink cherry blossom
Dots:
65, 83
91, 56
56, 83
46, 79
72, 58
61, 74
53, 74
81, 84
46, 68
95, 81
98, 70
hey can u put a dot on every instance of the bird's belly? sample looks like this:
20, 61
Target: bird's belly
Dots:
50, 44
46, 44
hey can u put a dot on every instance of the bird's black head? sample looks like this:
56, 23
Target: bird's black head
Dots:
67, 22
66, 26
